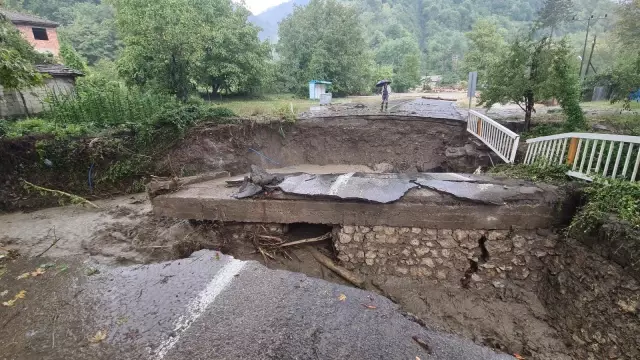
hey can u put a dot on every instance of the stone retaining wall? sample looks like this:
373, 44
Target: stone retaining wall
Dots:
467, 258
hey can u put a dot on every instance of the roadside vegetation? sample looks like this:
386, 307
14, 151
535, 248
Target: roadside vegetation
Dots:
604, 198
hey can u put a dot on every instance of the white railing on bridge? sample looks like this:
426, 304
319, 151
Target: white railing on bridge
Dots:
498, 138
588, 155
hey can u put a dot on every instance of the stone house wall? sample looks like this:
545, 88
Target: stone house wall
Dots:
11, 104
461, 257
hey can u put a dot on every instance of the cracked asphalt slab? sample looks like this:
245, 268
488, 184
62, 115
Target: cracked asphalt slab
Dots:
208, 306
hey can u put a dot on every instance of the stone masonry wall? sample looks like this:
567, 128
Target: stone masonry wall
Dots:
11, 104
462, 257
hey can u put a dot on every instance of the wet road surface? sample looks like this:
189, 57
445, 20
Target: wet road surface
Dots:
207, 306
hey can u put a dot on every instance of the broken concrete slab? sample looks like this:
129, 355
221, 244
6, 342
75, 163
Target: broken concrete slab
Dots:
523, 205
450, 177
348, 186
486, 193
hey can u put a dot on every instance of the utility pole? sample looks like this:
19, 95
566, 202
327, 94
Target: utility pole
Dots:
593, 46
586, 39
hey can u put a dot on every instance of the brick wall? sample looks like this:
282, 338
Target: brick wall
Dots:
50, 45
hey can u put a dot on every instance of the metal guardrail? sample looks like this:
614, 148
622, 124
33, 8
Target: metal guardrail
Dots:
588, 154
498, 138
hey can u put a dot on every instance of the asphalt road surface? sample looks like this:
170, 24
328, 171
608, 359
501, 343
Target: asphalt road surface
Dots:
208, 306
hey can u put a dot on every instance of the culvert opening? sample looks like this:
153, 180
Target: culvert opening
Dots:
302, 231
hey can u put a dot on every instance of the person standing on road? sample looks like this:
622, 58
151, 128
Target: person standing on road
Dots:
385, 97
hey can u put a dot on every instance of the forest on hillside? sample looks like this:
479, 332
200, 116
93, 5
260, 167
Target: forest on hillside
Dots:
403, 39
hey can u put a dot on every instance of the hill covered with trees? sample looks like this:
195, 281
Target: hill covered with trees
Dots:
403, 39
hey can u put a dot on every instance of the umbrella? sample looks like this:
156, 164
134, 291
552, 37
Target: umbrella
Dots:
382, 82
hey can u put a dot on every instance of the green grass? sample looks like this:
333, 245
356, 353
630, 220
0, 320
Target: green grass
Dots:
267, 106
536, 172
271, 106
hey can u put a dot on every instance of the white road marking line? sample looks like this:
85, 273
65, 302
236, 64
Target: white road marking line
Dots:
340, 181
198, 305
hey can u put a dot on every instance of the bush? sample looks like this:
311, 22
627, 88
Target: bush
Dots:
544, 130
182, 117
538, 171
607, 197
38, 126
112, 106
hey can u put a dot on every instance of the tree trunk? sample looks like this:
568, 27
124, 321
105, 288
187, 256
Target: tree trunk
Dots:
24, 103
528, 110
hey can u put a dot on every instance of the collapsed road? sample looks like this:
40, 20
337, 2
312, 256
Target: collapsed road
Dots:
207, 306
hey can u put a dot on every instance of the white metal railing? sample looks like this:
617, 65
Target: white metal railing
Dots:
587, 155
498, 138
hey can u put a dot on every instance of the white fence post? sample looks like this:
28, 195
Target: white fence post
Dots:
586, 153
498, 138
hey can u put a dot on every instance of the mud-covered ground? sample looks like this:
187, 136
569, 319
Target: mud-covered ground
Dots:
512, 319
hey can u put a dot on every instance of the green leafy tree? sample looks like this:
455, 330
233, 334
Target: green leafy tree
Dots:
92, 31
324, 41
233, 59
162, 43
628, 25
553, 14
174, 45
17, 59
403, 55
486, 45
408, 74
623, 76
531, 71
71, 58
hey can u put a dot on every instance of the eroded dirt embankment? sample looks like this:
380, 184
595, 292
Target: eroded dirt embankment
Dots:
408, 145
102, 167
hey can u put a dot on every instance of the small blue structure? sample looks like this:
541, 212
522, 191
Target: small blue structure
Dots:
317, 88
635, 95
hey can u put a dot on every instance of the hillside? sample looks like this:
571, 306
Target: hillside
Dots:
438, 27
268, 20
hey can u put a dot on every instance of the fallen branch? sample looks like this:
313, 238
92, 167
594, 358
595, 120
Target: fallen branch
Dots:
306, 241
75, 199
344, 273
55, 241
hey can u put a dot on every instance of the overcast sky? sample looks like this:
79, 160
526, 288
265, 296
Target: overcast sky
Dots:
258, 6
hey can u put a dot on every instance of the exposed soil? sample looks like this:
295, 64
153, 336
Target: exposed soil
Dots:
548, 325
408, 145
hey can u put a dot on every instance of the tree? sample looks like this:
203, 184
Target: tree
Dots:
403, 55
71, 58
174, 45
162, 43
17, 59
628, 27
234, 59
486, 45
623, 76
92, 31
531, 71
324, 41
553, 13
